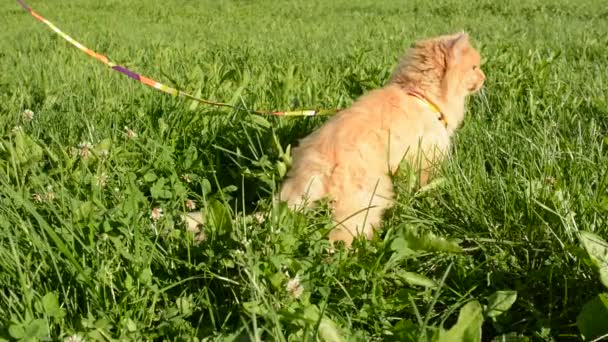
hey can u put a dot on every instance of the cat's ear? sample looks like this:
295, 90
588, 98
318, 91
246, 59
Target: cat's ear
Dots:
458, 44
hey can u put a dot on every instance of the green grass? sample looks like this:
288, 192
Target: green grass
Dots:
80, 254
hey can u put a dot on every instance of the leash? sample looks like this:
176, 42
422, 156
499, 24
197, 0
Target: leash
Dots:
157, 85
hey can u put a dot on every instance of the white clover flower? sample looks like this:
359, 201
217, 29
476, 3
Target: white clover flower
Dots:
49, 196
294, 287
103, 154
75, 338
190, 204
27, 115
102, 180
130, 133
84, 149
156, 214
37, 198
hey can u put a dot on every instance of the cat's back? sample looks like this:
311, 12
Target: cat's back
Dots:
367, 118
368, 114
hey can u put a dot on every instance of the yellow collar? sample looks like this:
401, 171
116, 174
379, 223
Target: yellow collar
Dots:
432, 106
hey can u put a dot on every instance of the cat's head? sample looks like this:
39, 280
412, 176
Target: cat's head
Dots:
448, 64
463, 64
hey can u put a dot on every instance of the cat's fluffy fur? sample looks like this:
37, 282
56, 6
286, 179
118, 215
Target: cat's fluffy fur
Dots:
351, 158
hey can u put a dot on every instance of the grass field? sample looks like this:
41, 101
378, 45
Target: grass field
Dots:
82, 255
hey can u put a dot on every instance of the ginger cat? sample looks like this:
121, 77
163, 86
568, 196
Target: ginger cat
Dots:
352, 156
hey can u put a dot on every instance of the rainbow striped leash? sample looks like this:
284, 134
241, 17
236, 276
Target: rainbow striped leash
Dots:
157, 85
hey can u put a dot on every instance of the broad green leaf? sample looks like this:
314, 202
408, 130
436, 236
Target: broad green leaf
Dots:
104, 145
277, 279
230, 189
500, 302
185, 305
597, 249
405, 330
128, 282
468, 326
150, 177
416, 279
254, 307
145, 277
50, 303
400, 246
311, 314
16, 331
281, 168
96, 335
218, 217
429, 242
205, 186
179, 190
26, 149
159, 190
131, 326
592, 322
328, 331
228, 263
36, 329
103, 323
